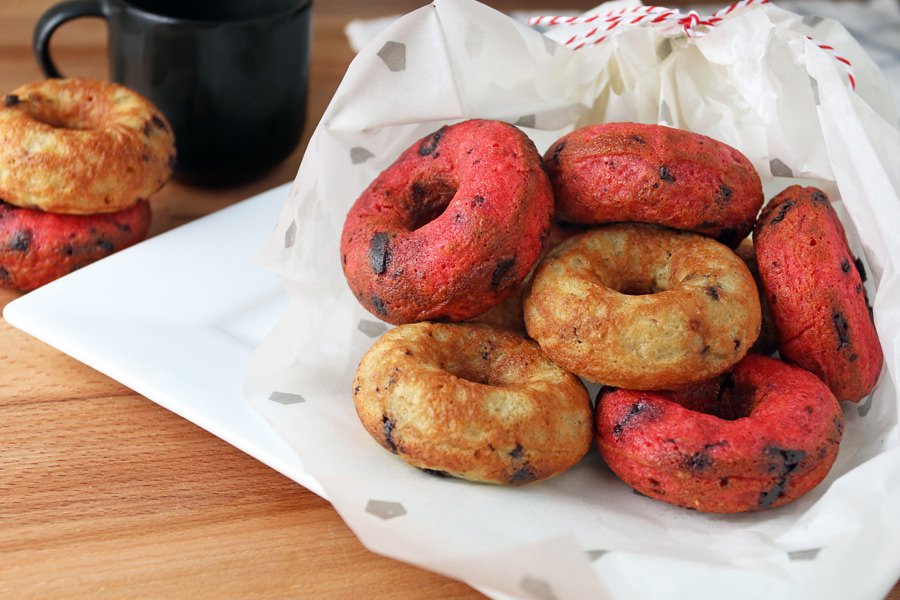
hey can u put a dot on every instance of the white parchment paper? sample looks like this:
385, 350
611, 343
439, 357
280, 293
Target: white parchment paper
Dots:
759, 81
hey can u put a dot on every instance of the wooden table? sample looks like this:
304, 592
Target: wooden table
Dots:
105, 494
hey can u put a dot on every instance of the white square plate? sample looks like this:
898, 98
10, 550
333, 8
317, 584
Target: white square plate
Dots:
175, 318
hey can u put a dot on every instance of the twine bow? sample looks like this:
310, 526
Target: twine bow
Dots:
691, 23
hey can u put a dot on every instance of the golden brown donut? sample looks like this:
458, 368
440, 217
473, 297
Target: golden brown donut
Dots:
77, 146
472, 401
641, 307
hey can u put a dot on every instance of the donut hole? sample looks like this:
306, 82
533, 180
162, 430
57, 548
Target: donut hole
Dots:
635, 283
77, 114
475, 371
427, 200
638, 288
722, 397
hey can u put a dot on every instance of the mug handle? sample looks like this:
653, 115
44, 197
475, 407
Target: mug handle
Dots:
54, 17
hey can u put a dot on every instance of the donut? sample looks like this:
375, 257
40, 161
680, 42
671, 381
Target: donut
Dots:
642, 307
37, 247
618, 172
77, 146
814, 287
451, 228
472, 401
756, 438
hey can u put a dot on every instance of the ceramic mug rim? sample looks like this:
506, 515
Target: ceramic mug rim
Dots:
296, 6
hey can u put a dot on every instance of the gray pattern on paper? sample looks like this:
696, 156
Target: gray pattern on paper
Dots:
394, 56
286, 398
385, 509
359, 155
373, 329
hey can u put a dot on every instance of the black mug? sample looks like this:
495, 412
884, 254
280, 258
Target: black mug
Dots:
230, 75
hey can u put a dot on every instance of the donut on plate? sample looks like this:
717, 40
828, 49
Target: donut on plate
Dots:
814, 289
451, 228
472, 401
37, 247
759, 437
644, 173
78, 146
641, 307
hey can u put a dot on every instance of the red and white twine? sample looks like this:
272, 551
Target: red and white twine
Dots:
691, 23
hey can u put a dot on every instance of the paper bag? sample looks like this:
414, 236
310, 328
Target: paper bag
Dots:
796, 95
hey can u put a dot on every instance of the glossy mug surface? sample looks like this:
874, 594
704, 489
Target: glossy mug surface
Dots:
230, 75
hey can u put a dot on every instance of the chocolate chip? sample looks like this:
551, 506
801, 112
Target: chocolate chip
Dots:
702, 459
503, 273
845, 266
378, 305
723, 195
516, 452
379, 252
635, 414
10, 100
713, 292
124, 227
698, 461
356, 390
860, 268
68, 250
430, 143
820, 197
106, 245
737, 344
842, 328
387, 428
784, 462
666, 175
20, 241
477, 201
554, 158
638, 139
522, 475
160, 124
782, 210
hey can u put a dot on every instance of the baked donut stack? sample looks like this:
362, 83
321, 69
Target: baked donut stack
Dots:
637, 287
78, 161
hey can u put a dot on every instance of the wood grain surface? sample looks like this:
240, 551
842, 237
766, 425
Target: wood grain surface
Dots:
104, 494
